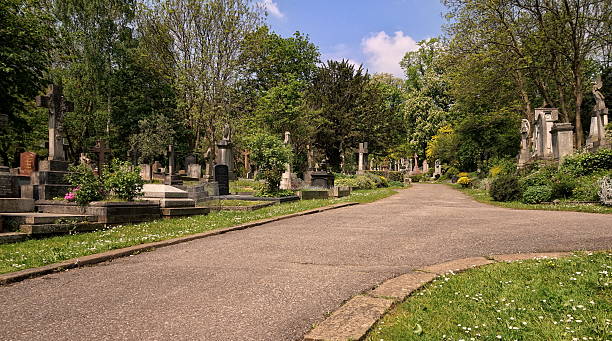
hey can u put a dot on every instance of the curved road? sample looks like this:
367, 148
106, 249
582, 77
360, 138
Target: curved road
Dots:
274, 281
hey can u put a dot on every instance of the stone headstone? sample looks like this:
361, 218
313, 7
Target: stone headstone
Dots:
437, 169
288, 178
194, 171
416, 170
599, 117
101, 149
524, 154
224, 152
247, 164
146, 172
27, 163
425, 166
172, 178
222, 178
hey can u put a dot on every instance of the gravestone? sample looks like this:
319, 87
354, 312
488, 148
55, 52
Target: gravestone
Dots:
194, 171
562, 140
247, 164
146, 172
363, 151
310, 164
49, 181
524, 154
542, 137
425, 166
288, 179
224, 152
222, 178
171, 178
416, 170
438, 169
27, 163
101, 149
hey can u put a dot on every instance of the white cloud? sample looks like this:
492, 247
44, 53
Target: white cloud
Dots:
384, 52
272, 8
338, 53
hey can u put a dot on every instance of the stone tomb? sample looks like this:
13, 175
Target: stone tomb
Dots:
172, 201
288, 179
542, 136
562, 140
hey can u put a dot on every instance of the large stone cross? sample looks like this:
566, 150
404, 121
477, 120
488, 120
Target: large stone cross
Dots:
101, 149
57, 105
170, 160
363, 149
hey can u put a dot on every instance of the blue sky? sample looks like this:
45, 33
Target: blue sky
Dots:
376, 33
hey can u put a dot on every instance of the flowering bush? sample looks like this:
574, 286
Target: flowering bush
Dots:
72, 195
464, 181
121, 181
463, 174
88, 187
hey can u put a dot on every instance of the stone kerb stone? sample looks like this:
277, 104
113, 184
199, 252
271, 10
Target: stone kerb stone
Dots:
340, 191
352, 320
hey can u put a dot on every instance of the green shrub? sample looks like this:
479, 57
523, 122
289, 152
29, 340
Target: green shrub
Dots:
505, 188
121, 181
271, 155
389, 175
86, 185
537, 194
499, 166
416, 178
365, 182
587, 188
451, 171
394, 183
563, 185
541, 177
350, 182
582, 164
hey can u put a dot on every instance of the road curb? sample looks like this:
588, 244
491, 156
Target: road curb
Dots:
353, 319
128, 251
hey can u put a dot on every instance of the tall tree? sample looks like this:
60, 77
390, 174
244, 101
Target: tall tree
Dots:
25, 44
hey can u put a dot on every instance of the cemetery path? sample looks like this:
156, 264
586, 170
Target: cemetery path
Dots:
274, 281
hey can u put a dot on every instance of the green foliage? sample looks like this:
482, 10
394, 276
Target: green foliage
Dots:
366, 181
156, 133
25, 35
540, 177
87, 186
122, 181
389, 175
537, 194
498, 166
581, 164
563, 185
451, 171
271, 155
586, 188
505, 188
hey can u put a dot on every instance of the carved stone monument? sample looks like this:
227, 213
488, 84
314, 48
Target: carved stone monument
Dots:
599, 118
222, 178
425, 166
310, 165
101, 149
524, 154
289, 179
542, 136
562, 140
194, 171
171, 178
146, 172
27, 163
438, 169
224, 152
416, 170
361, 163
247, 164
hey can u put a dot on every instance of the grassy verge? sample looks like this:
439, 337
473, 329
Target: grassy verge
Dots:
483, 196
232, 203
39, 252
546, 299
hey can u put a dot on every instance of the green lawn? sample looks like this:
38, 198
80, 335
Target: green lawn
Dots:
484, 197
232, 203
38, 252
547, 299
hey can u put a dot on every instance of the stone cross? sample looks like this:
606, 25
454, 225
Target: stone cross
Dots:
247, 163
58, 106
101, 149
363, 149
170, 160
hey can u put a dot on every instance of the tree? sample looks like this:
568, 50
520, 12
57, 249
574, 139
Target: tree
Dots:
270, 155
199, 46
25, 35
156, 133
335, 96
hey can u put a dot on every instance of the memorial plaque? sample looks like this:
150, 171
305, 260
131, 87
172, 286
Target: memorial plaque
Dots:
27, 163
222, 178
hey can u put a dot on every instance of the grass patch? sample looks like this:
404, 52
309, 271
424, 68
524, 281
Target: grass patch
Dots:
235, 202
545, 299
39, 252
483, 196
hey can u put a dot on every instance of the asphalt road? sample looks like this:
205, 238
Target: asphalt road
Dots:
274, 281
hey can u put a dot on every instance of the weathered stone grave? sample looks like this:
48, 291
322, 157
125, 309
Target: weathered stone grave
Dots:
172, 178
542, 136
222, 179
524, 154
288, 179
437, 169
224, 153
599, 119
172, 201
362, 158
562, 140
27, 163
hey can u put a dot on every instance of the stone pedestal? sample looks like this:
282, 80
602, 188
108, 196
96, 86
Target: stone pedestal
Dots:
224, 157
145, 172
544, 120
48, 182
194, 171
562, 140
